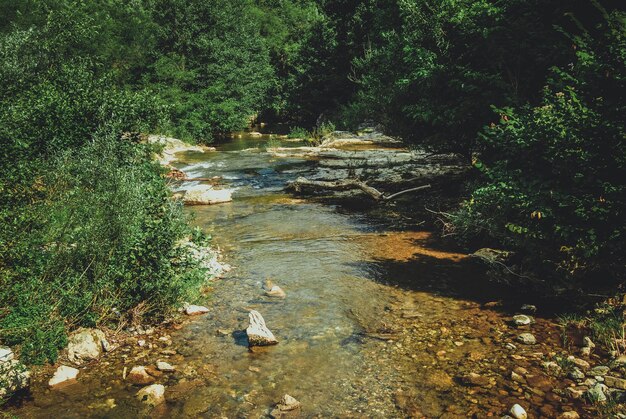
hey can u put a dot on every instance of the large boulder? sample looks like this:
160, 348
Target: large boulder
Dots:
257, 331
13, 374
86, 345
206, 195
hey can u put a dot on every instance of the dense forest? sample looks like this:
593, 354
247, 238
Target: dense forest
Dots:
533, 93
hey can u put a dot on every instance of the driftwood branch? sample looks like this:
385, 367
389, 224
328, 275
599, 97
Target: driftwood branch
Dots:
343, 185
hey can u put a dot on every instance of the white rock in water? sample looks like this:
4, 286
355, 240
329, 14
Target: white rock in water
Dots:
164, 366
257, 331
62, 374
13, 374
192, 310
518, 412
522, 320
206, 195
86, 345
276, 292
152, 395
527, 339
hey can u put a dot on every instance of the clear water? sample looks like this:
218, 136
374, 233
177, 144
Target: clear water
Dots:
376, 323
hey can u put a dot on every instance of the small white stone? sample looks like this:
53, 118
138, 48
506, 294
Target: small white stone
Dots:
518, 412
164, 366
192, 310
62, 374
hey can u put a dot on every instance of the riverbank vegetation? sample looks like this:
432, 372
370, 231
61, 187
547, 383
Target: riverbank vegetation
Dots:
530, 92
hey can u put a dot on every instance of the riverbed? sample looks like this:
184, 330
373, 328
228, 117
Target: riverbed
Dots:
380, 320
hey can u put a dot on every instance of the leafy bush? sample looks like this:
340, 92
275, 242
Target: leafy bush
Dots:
554, 173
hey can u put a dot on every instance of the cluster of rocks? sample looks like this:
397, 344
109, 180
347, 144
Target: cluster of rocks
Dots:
13, 374
371, 157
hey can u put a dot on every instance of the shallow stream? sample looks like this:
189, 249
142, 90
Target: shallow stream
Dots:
377, 322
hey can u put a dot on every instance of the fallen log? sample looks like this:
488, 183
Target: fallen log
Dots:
342, 185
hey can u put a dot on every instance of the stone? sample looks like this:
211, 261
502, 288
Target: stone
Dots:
6, 354
492, 256
473, 379
518, 412
600, 370
287, 407
588, 343
574, 393
164, 366
581, 363
615, 382
585, 351
569, 415
527, 339
596, 394
276, 292
139, 375
63, 374
193, 310
152, 395
13, 374
86, 345
529, 308
257, 331
576, 374
552, 367
517, 378
206, 195
522, 320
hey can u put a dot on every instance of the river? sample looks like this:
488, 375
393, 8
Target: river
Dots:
379, 321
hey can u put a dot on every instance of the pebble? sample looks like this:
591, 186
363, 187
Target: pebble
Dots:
576, 374
518, 412
164, 366
569, 415
615, 382
600, 370
522, 320
527, 339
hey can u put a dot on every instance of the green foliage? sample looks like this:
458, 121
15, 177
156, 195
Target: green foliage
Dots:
297, 132
87, 228
554, 173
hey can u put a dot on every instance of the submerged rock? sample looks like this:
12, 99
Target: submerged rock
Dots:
287, 407
257, 331
139, 375
473, 379
272, 290
152, 395
164, 366
206, 195
63, 374
13, 374
86, 345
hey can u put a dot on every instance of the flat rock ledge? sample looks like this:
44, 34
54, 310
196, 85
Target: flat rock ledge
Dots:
257, 331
